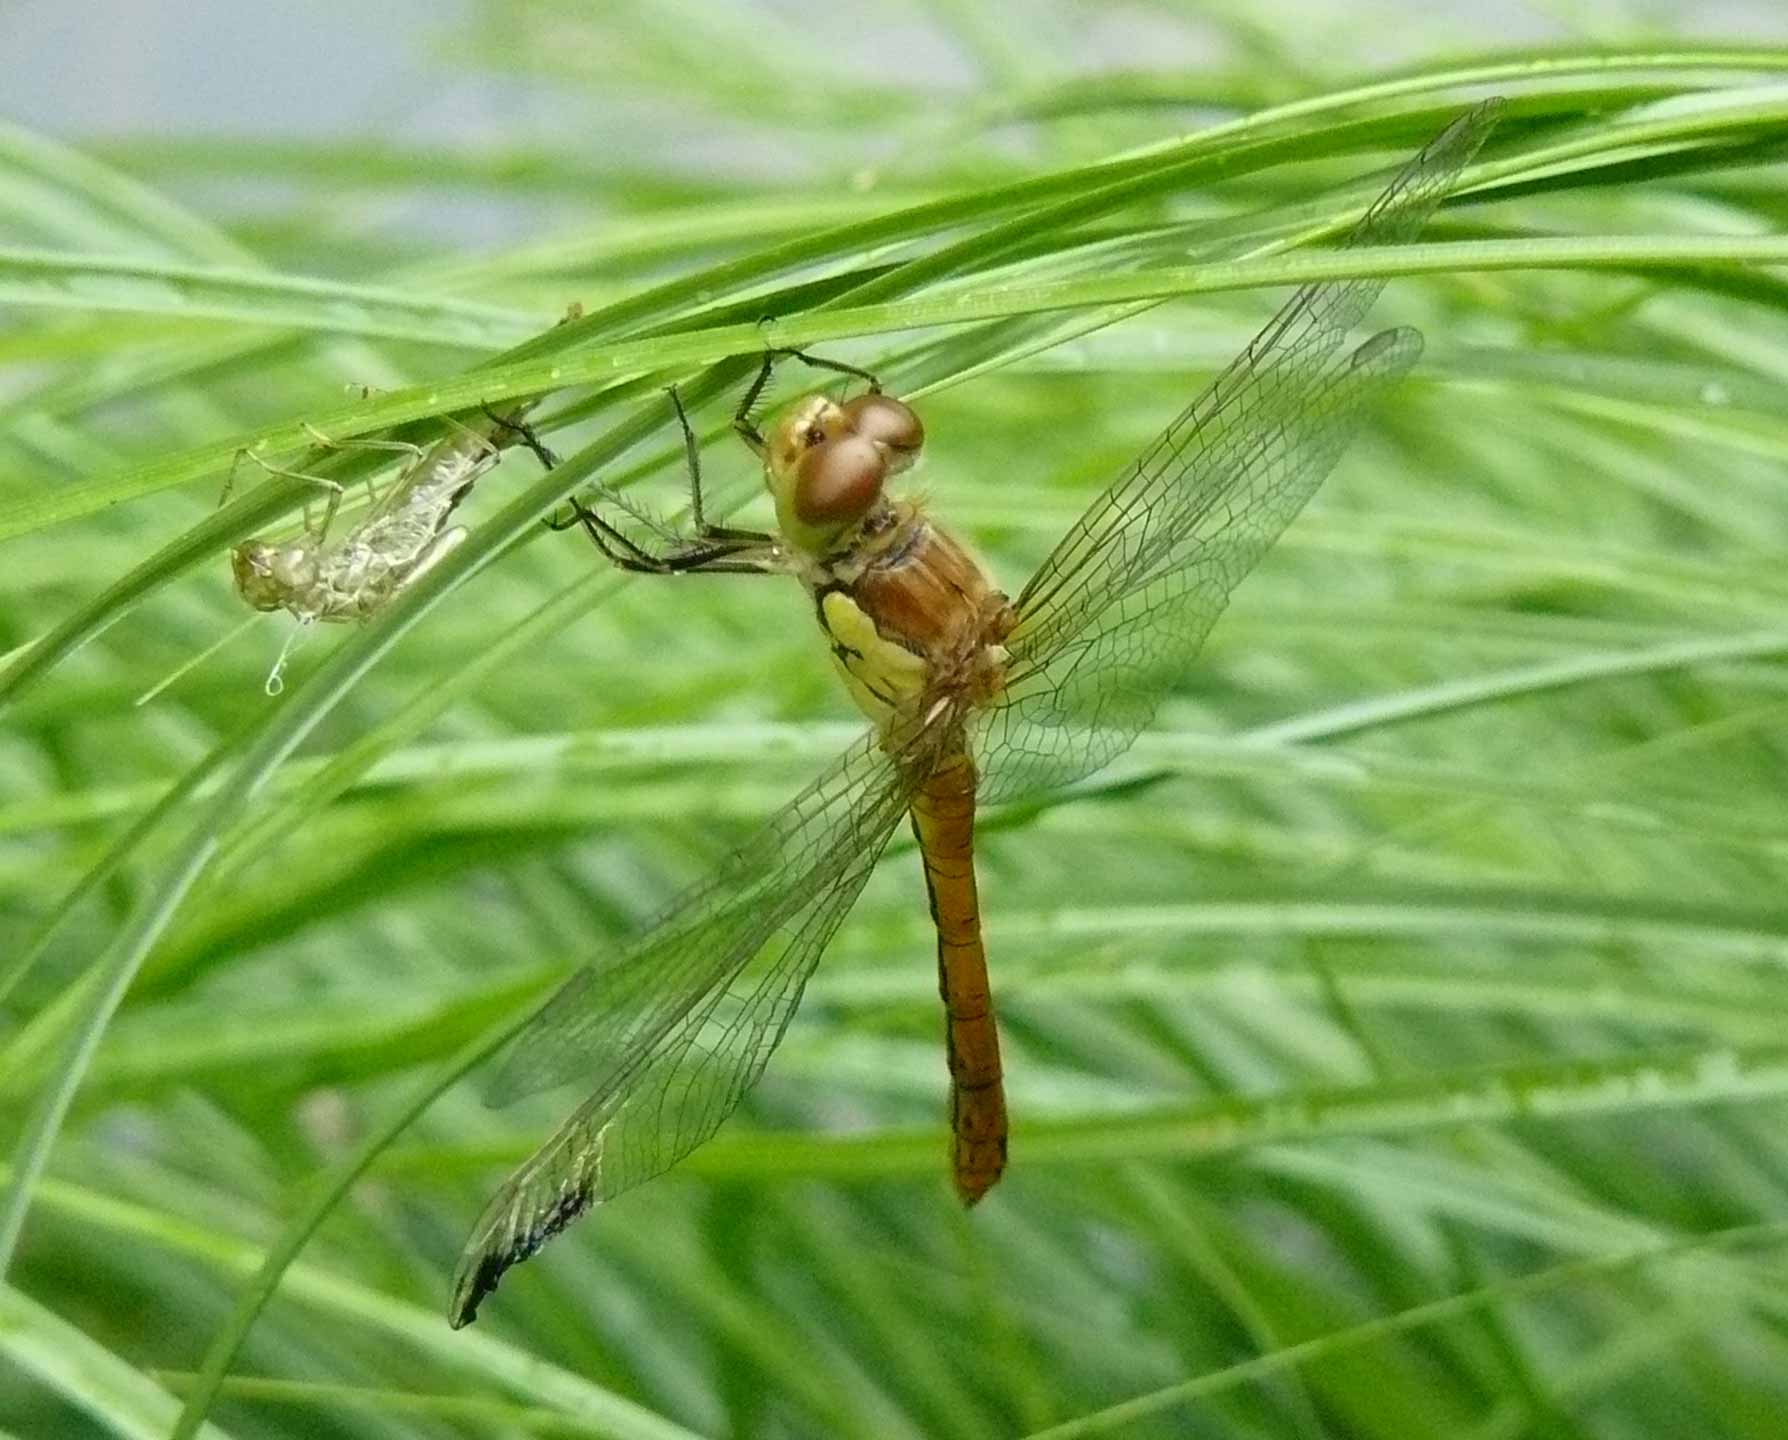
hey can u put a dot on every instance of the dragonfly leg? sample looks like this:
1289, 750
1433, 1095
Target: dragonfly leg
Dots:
752, 556
693, 462
746, 427
714, 549
743, 425
526, 434
819, 362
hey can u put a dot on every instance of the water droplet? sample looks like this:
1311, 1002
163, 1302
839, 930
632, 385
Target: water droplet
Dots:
1714, 393
554, 373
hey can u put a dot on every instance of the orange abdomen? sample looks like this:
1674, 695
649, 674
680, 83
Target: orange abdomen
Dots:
944, 822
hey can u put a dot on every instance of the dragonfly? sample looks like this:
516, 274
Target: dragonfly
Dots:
974, 698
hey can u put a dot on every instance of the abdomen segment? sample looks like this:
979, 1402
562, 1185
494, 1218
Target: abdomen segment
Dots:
944, 822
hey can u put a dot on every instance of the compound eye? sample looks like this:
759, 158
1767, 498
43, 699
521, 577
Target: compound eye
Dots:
836, 483
884, 419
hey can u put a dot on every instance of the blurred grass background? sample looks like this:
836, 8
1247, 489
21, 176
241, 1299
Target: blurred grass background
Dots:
1394, 1040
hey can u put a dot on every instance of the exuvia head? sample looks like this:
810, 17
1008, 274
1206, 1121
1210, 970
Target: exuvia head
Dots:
270, 576
826, 461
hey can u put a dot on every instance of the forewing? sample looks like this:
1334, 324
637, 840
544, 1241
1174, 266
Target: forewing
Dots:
1076, 704
671, 1037
1125, 601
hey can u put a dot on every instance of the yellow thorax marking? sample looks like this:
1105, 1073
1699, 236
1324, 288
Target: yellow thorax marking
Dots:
878, 672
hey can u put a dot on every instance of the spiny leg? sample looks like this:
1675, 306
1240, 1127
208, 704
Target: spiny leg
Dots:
638, 513
820, 362
720, 557
614, 545
527, 435
742, 422
715, 548
692, 460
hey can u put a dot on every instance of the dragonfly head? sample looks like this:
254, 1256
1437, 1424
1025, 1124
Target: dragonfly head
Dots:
826, 461
268, 576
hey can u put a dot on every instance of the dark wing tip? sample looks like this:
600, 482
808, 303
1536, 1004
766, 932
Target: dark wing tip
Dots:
471, 1285
494, 1249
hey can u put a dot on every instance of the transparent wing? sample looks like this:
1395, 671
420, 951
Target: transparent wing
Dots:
1125, 601
671, 1037
1077, 703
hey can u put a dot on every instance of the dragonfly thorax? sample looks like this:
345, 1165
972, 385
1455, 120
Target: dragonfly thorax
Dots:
911, 616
